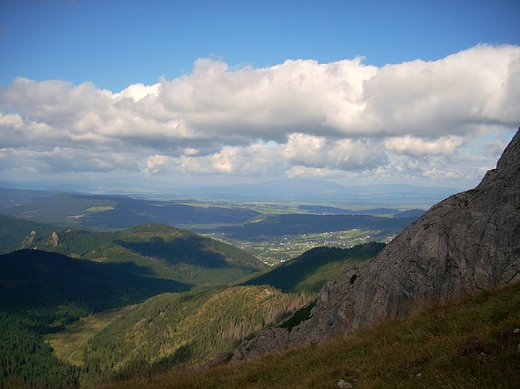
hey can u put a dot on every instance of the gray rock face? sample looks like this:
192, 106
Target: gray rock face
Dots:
464, 244
267, 341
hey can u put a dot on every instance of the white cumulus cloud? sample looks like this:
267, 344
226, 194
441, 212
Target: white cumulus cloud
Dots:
414, 120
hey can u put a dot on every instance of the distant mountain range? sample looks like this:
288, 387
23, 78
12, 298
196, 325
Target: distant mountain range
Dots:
112, 212
116, 211
288, 190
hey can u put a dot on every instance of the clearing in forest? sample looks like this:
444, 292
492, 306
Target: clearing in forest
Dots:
69, 344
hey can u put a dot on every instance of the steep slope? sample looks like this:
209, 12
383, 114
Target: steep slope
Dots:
466, 243
311, 270
189, 328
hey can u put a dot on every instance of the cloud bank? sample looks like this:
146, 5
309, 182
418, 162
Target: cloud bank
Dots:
440, 122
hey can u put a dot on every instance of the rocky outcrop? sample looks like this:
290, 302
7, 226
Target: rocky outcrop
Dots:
464, 244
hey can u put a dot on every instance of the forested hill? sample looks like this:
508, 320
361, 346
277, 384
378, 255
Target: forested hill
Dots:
153, 249
20, 233
34, 279
187, 329
311, 270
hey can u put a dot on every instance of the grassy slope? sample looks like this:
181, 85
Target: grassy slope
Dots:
472, 344
311, 270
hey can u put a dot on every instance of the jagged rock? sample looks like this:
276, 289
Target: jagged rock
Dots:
462, 245
344, 384
265, 342
54, 239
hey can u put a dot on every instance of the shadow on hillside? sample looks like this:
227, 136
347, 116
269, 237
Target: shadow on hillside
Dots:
188, 251
131, 267
146, 280
44, 280
288, 275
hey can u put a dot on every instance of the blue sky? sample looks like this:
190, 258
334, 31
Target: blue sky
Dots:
118, 43
240, 91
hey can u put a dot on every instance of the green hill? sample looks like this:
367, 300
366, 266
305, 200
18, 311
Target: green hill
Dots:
152, 249
311, 270
39, 280
472, 344
190, 328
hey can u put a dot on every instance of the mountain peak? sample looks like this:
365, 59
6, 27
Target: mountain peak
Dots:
508, 166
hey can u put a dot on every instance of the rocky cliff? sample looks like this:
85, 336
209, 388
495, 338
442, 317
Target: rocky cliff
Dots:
466, 243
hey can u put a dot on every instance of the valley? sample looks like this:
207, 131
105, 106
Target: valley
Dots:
273, 250
272, 232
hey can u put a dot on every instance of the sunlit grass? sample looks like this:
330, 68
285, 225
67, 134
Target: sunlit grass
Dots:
467, 345
68, 344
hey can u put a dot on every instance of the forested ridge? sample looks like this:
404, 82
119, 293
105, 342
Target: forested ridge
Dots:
151, 249
184, 329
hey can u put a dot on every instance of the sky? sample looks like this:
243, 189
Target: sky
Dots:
223, 92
